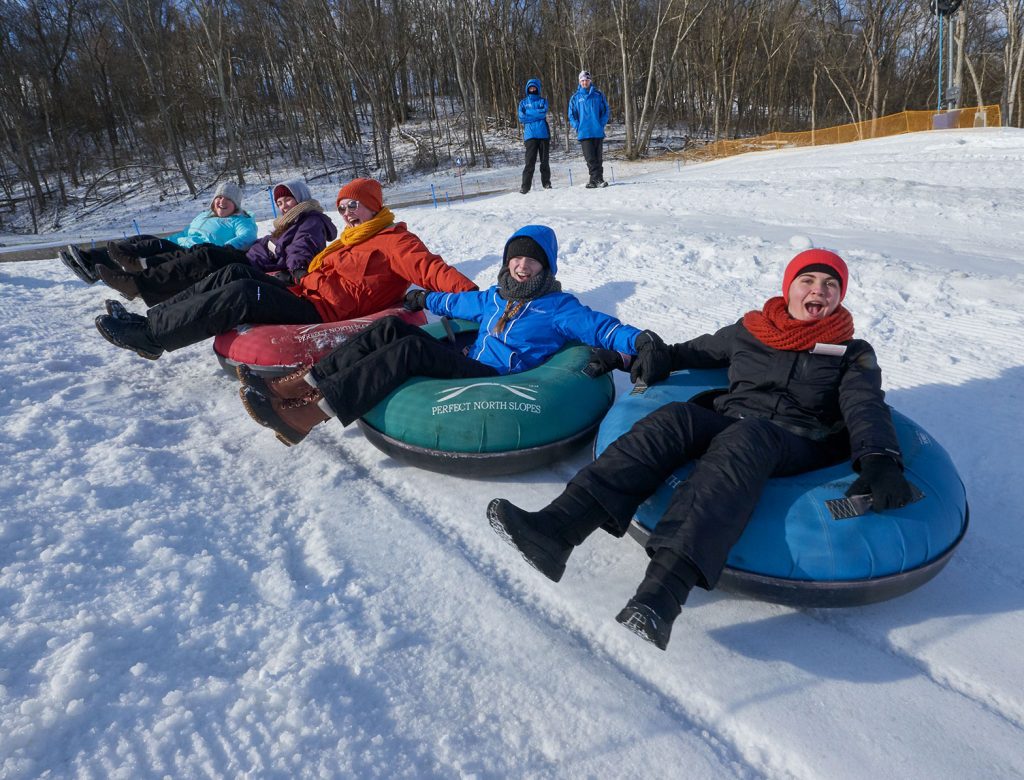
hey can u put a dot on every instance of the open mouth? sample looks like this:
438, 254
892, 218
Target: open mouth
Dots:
814, 308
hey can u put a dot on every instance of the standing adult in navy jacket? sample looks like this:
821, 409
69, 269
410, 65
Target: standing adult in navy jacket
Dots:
588, 114
533, 112
524, 319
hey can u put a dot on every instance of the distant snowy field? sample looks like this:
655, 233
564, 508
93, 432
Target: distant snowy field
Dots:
182, 596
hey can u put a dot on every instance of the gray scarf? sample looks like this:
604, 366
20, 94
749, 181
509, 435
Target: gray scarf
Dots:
516, 292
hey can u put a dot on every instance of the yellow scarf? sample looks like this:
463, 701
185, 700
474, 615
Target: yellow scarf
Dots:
351, 236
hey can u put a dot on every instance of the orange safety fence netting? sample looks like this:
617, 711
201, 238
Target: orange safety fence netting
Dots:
893, 124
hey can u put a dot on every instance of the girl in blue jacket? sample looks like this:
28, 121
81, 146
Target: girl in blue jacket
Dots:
524, 320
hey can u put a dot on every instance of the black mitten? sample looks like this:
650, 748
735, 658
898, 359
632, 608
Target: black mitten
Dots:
415, 300
602, 361
653, 361
882, 477
297, 275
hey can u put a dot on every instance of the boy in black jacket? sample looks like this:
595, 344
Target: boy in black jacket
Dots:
803, 393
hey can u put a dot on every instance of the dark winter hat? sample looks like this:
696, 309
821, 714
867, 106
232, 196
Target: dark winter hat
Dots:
297, 188
585, 74
367, 191
820, 260
231, 191
524, 246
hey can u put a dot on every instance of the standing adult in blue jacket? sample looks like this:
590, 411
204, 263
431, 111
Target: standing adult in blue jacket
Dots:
588, 114
524, 320
533, 112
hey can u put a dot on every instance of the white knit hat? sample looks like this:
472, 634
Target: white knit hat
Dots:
584, 74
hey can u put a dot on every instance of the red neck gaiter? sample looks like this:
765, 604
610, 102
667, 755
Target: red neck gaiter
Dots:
774, 327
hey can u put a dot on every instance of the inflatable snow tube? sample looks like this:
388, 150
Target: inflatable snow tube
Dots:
277, 349
491, 426
793, 551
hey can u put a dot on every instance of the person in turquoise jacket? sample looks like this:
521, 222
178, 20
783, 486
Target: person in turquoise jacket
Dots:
533, 113
588, 115
224, 223
524, 320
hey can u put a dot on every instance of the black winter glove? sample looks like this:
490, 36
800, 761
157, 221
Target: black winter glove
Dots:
653, 361
298, 274
602, 361
415, 300
882, 477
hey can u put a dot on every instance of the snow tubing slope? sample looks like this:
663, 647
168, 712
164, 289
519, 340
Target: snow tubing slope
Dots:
276, 349
793, 552
486, 427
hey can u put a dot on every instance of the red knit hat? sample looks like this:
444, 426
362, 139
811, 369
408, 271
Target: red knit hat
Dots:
816, 260
367, 191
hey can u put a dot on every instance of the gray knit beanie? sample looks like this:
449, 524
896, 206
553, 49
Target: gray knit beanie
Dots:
231, 191
297, 187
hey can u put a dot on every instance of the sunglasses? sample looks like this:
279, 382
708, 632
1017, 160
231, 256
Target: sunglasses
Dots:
348, 205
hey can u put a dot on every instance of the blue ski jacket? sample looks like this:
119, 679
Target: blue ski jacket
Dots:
238, 231
588, 112
540, 328
533, 111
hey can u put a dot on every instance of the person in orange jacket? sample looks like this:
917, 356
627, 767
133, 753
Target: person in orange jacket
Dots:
368, 268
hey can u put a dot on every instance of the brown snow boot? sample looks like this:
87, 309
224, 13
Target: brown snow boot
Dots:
291, 419
290, 385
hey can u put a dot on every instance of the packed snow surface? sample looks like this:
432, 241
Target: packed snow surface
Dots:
183, 596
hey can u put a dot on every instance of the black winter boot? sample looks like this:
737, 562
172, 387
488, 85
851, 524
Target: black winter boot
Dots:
129, 334
83, 272
546, 538
120, 281
660, 597
119, 312
119, 253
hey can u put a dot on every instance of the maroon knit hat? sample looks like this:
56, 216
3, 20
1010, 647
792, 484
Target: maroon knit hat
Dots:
816, 260
367, 191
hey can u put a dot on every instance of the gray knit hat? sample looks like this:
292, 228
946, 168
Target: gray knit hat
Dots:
231, 191
297, 187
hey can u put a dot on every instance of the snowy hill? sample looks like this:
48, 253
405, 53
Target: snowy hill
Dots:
181, 595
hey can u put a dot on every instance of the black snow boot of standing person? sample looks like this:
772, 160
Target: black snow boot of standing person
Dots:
660, 597
546, 538
129, 334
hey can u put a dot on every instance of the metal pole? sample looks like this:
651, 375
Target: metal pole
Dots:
939, 107
949, 77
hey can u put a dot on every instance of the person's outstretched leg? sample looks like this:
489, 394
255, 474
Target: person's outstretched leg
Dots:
547, 537
607, 492
229, 297
659, 598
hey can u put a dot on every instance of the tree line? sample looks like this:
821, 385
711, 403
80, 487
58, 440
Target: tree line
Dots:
188, 92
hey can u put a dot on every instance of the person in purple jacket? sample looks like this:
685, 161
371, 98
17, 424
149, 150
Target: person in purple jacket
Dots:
300, 232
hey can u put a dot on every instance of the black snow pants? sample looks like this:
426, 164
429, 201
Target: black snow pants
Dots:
709, 510
535, 147
226, 298
169, 273
140, 246
593, 153
360, 373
